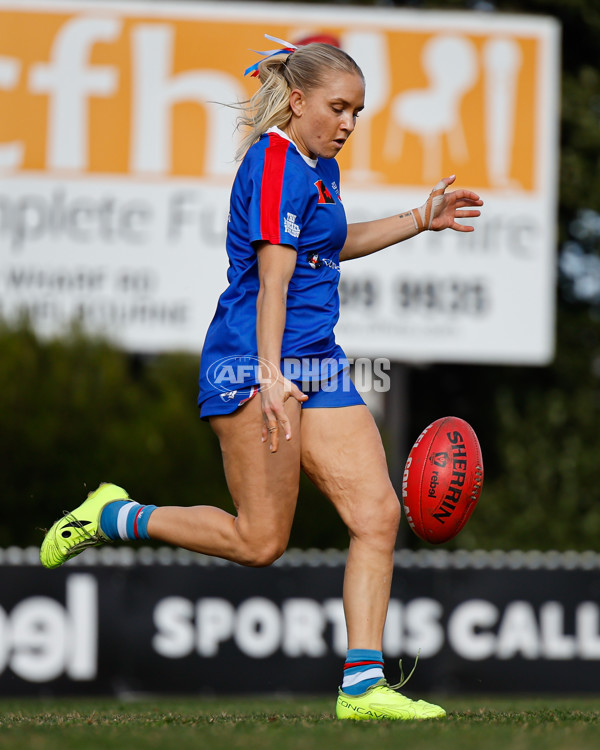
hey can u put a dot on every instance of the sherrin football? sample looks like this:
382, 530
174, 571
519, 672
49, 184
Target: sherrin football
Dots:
442, 479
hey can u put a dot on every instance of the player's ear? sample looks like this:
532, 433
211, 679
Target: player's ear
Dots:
297, 102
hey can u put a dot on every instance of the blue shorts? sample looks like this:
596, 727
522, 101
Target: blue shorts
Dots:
338, 391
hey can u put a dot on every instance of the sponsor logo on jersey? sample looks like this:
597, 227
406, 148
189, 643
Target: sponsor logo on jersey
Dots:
313, 260
324, 194
290, 226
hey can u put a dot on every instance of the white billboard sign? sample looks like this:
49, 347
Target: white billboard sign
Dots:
116, 165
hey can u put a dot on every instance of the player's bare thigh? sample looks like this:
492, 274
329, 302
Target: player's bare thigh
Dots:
343, 454
263, 485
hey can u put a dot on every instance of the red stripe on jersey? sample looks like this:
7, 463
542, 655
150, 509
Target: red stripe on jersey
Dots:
362, 664
135, 523
271, 187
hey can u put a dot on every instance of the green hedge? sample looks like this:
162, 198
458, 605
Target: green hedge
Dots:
540, 436
76, 412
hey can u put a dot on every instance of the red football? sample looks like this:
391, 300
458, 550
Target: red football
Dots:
442, 479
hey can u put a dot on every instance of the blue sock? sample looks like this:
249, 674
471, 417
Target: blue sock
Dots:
363, 668
125, 519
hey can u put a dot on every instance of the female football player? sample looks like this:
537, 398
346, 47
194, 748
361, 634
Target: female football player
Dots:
274, 383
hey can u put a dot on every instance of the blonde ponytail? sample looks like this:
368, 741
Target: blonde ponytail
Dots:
304, 69
269, 107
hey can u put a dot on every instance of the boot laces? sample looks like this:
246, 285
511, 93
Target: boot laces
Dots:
88, 539
403, 679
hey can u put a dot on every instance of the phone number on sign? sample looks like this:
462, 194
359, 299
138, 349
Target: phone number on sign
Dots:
449, 296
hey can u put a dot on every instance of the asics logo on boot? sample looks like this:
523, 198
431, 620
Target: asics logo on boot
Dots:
75, 524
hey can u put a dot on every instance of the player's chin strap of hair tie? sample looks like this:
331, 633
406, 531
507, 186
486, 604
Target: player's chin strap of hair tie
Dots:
424, 216
287, 47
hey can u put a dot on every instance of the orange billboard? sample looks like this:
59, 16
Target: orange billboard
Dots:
117, 156
108, 92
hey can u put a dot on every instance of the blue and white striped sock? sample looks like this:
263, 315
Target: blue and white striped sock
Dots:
126, 520
363, 668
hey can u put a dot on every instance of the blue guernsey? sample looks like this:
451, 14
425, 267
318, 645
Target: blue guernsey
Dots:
282, 197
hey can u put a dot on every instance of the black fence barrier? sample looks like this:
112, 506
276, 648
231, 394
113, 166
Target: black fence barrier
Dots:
124, 621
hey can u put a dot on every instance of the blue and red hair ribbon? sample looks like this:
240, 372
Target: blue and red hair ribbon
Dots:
286, 47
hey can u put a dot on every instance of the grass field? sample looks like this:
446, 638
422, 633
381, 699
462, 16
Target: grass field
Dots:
300, 723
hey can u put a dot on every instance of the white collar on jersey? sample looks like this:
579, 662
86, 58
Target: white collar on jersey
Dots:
311, 162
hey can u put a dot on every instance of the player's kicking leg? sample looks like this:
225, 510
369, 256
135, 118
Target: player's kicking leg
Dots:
264, 488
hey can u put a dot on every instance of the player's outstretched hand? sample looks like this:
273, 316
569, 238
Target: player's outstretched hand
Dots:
442, 209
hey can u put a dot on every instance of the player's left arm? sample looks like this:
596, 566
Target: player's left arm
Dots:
440, 211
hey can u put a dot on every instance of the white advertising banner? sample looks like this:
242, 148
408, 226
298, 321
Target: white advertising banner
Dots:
116, 161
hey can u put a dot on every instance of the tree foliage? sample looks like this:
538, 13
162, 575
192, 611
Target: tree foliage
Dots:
538, 426
76, 412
